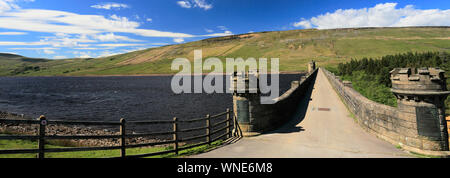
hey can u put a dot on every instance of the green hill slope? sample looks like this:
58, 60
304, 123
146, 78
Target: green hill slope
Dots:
294, 48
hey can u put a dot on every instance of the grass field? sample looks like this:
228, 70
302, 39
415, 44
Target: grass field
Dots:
22, 144
294, 48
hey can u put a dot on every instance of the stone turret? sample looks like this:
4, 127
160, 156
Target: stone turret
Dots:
252, 111
244, 98
420, 96
311, 66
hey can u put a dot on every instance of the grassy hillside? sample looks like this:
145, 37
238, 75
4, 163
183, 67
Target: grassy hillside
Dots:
294, 48
10, 64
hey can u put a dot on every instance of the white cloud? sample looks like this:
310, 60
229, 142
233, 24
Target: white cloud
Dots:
226, 33
59, 57
109, 6
90, 48
178, 40
209, 30
81, 31
195, 3
52, 21
304, 23
119, 45
47, 51
6, 5
13, 33
67, 40
159, 44
14, 43
202, 4
44, 48
184, 4
112, 37
381, 15
82, 54
222, 27
108, 53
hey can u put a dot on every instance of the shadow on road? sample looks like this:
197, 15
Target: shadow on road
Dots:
292, 125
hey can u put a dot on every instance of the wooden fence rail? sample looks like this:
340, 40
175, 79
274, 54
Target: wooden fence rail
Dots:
230, 127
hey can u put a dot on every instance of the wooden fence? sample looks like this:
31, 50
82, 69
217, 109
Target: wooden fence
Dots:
228, 123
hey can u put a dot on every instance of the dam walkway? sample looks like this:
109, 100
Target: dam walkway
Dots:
322, 128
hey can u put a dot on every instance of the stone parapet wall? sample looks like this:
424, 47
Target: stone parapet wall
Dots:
396, 125
266, 117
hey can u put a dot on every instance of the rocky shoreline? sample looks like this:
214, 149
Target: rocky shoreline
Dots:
61, 130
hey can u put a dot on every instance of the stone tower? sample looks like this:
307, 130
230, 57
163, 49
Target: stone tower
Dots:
244, 98
420, 96
311, 66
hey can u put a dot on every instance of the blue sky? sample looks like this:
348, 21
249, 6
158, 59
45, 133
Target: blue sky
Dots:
85, 28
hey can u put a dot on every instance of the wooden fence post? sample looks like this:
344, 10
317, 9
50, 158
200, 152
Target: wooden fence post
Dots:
236, 126
228, 122
208, 129
175, 134
123, 149
41, 141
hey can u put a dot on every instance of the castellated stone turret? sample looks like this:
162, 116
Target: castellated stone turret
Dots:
253, 114
245, 98
311, 66
420, 96
241, 82
428, 80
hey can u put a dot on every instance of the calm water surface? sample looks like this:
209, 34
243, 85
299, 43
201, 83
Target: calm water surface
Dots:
109, 98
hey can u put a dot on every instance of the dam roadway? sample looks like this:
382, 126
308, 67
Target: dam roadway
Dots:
322, 128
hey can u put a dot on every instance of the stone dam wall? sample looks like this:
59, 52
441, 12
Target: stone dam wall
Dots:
255, 118
403, 126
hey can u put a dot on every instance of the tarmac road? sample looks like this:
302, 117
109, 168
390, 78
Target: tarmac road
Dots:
322, 128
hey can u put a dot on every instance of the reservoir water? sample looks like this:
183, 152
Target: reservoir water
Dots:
136, 98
